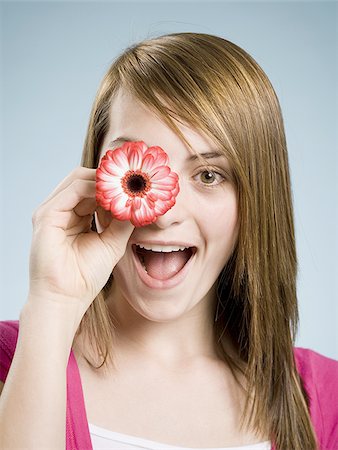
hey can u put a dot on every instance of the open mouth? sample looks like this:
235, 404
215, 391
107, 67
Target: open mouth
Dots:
165, 264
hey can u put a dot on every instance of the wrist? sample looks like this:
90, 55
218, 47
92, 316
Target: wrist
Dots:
51, 318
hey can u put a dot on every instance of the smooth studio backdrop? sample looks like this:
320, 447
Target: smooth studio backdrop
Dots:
54, 54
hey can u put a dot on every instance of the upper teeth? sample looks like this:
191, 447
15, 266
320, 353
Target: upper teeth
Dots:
161, 248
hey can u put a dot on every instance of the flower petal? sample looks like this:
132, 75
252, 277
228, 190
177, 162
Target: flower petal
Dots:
109, 168
137, 202
162, 186
159, 155
112, 183
151, 195
120, 159
111, 193
161, 194
159, 172
105, 203
150, 201
148, 163
170, 181
119, 206
162, 207
143, 215
135, 158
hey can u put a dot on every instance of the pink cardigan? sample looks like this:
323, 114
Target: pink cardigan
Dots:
319, 374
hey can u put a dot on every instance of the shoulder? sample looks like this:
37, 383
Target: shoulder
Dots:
9, 330
315, 367
319, 375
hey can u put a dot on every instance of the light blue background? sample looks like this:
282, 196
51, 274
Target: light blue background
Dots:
54, 55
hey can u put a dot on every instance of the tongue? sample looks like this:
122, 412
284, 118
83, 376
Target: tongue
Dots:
161, 265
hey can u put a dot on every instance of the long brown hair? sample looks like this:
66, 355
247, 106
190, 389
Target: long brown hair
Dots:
215, 87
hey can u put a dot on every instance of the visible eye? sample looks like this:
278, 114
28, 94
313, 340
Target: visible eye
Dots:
209, 176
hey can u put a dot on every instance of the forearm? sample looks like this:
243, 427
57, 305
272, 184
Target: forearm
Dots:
33, 401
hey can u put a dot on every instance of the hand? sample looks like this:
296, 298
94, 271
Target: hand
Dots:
69, 262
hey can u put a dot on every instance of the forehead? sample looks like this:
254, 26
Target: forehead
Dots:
129, 118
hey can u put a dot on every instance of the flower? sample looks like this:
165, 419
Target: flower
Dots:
135, 183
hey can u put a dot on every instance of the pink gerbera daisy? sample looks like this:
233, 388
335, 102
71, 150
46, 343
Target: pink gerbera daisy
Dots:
135, 183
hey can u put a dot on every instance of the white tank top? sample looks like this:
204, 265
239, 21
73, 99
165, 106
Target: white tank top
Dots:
103, 439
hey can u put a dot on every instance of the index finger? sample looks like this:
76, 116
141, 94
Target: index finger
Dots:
83, 173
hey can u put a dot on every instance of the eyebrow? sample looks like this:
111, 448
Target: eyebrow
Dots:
120, 139
208, 155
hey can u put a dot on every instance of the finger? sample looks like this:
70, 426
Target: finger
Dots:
79, 172
82, 226
115, 238
66, 220
86, 206
59, 211
72, 195
102, 218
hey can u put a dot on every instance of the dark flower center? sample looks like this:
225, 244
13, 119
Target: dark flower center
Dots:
135, 183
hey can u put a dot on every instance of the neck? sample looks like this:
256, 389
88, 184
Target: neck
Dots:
169, 342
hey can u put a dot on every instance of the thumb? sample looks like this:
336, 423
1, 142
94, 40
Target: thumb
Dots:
116, 236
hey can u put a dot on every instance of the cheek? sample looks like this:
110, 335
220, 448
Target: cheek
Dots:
221, 215
122, 274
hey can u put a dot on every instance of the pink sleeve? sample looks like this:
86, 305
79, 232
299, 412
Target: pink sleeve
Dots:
8, 338
320, 377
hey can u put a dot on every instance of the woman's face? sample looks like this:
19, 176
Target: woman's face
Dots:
204, 216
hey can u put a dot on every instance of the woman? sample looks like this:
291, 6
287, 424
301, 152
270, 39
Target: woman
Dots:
203, 358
